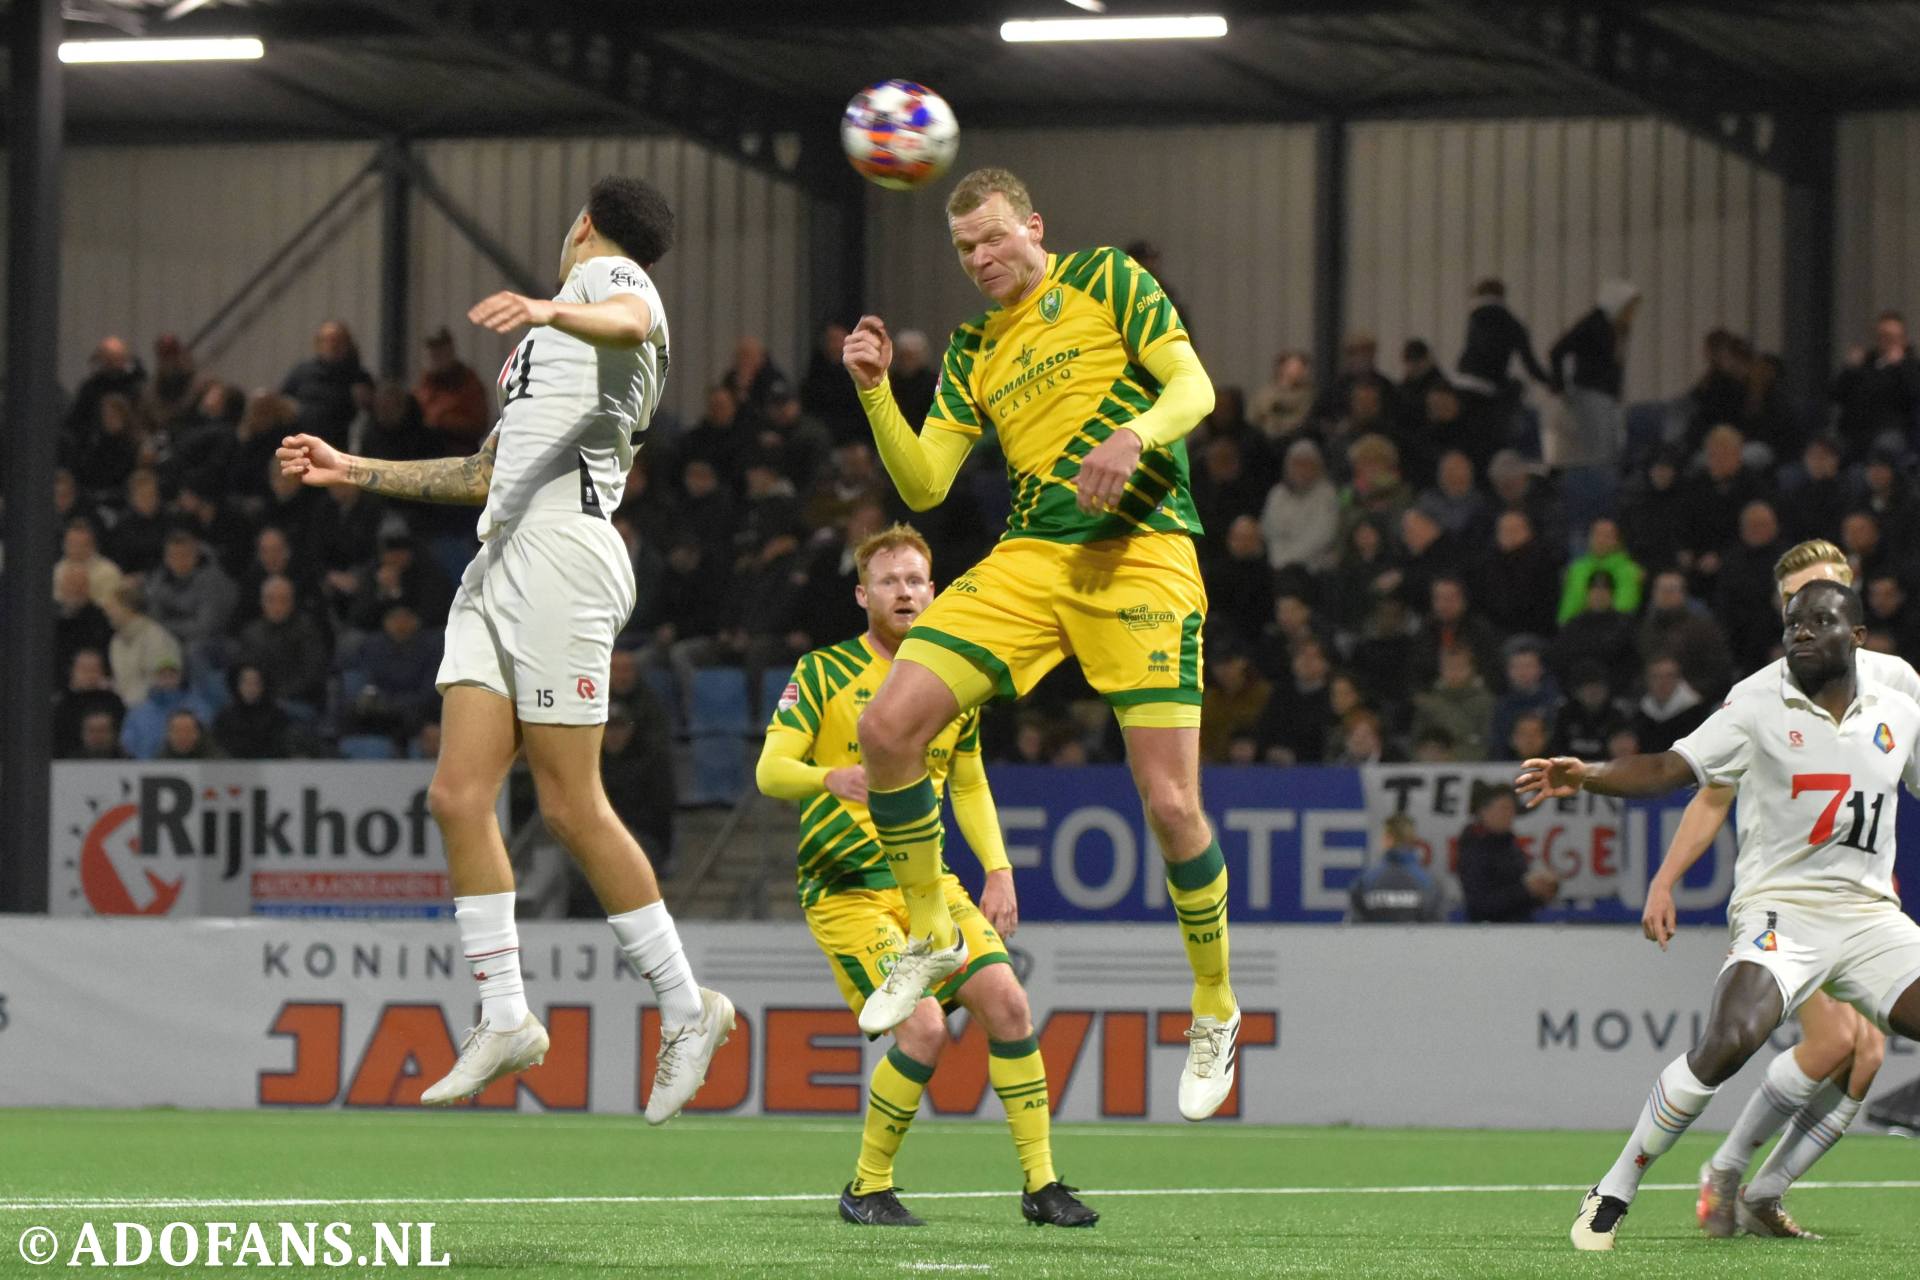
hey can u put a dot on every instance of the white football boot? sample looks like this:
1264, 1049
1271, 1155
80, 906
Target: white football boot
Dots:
685, 1054
485, 1056
1212, 1052
1599, 1219
916, 971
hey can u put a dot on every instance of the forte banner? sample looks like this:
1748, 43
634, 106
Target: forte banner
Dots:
319, 1013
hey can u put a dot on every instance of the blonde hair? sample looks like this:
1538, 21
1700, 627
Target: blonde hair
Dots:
1805, 555
978, 187
891, 538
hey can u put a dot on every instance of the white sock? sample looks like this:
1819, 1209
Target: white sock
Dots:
1815, 1128
652, 946
1676, 1101
492, 947
1783, 1090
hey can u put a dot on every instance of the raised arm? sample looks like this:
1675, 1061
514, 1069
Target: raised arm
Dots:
1698, 827
458, 481
921, 464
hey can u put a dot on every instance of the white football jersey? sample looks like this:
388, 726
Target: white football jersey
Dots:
1818, 799
572, 413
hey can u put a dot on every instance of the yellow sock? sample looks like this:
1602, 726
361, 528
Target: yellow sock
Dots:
1020, 1078
892, 1099
1199, 892
908, 821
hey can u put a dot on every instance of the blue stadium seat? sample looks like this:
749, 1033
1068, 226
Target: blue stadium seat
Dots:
367, 746
773, 683
719, 702
719, 769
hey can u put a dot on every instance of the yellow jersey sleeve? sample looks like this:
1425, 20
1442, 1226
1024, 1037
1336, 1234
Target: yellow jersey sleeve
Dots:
1142, 312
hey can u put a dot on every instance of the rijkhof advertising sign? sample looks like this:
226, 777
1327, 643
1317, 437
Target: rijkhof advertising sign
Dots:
241, 838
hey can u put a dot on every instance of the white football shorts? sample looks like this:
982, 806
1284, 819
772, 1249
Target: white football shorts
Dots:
1864, 953
536, 614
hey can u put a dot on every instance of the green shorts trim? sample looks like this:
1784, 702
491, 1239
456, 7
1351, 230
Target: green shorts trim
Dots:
949, 991
1138, 697
989, 665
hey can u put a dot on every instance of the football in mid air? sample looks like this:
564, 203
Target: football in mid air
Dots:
899, 134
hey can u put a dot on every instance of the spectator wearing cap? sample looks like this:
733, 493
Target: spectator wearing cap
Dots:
1396, 889
1589, 717
401, 575
453, 400
139, 646
330, 387
143, 733
1600, 633
1604, 551
397, 667
1300, 520
1499, 885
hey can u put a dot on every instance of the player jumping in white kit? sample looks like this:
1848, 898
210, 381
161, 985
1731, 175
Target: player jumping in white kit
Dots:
1818, 752
530, 636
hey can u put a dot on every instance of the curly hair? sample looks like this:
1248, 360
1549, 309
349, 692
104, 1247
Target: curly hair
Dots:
634, 215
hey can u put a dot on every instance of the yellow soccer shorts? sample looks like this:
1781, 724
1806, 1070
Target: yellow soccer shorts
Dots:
864, 930
1130, 609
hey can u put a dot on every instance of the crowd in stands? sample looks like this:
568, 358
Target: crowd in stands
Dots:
1412, 564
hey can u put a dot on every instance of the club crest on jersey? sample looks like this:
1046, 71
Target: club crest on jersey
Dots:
1050, 304
1883, 738
1767, 941
790, 697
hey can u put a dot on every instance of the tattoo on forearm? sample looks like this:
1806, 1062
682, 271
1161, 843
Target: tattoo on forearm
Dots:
461, 481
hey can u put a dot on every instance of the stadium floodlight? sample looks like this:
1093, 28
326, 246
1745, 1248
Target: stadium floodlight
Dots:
1198, 26
237, 47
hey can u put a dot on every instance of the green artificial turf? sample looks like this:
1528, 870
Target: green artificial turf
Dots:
711, 1197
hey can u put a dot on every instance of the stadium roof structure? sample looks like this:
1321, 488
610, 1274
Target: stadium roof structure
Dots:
740, 72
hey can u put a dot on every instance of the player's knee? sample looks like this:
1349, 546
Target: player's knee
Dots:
887, 731
923, 1035
1869, 1051
570, 812
1172, 804
454, 799
1004, 1012
1725, 1048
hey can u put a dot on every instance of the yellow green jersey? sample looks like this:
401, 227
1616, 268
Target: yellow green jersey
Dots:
839, 848
1055, 374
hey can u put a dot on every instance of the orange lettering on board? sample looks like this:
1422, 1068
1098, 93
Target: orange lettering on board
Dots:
409, 1050
1257, 1030
559, 1083
728, 1077
1123, 1064
315, 1078
795, 1058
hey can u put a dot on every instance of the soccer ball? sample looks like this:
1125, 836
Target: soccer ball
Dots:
899, 134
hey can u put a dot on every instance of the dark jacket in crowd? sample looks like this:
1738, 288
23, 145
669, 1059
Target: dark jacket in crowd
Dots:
1493, 869
1396, 890
1494, 337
